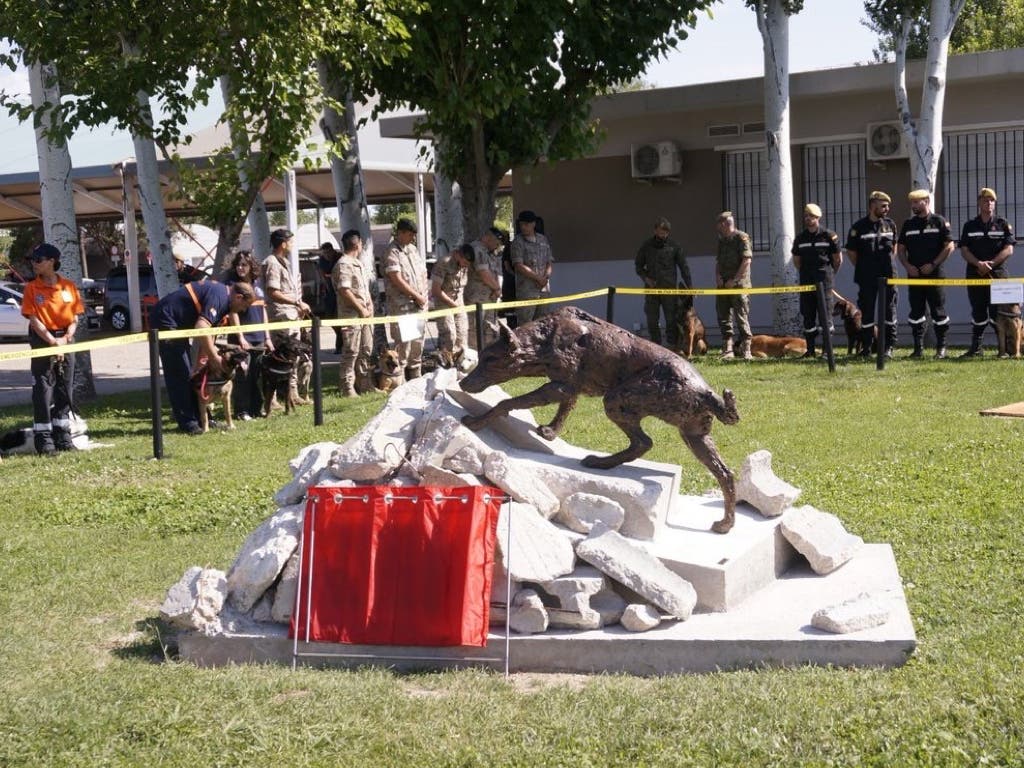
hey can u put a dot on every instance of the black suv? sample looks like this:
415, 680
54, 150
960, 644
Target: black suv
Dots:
116, 309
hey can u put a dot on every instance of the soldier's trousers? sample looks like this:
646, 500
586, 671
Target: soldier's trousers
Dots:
726, 307
452, 331
654, 307
356, 351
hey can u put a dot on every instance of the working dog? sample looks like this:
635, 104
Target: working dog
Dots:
304, 366
209, 388
847, 310
1009, 330
276, 370
388, 373
583, 355
777, 346
691, 334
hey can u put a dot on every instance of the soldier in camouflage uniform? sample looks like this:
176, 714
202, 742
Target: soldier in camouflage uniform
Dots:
732, 270
353, 293
407, 292
532, 261
658, 262
447, 283
483, 286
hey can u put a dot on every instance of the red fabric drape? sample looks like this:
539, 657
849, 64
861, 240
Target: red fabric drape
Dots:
398, 571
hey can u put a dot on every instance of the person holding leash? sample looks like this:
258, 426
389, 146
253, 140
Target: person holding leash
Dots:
52, 305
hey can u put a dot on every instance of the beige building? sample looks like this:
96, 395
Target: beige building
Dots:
689, 152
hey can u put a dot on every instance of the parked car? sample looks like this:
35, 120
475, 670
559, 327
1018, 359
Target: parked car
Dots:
93, 292
116, 308
14, 325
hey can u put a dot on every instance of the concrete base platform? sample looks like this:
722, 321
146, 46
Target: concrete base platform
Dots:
724, 569
772, 628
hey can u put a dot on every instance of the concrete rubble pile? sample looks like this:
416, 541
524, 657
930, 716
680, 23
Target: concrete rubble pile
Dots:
574, 546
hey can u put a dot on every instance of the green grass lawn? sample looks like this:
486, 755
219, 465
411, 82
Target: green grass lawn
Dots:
90, 542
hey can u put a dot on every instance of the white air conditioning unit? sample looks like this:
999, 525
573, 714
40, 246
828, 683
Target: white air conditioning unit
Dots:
654, 160
885, 142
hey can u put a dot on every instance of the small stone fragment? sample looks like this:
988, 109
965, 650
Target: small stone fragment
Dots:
759, 487
528, 615
579, 511
195, 602
820, 537
639, 617
853, 615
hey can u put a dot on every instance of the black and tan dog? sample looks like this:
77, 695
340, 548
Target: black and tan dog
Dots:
1009, 329
209, 388
304, 367
388, 373
276, 372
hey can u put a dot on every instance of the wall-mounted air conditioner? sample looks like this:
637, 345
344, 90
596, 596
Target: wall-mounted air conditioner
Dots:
655, 160
885, 142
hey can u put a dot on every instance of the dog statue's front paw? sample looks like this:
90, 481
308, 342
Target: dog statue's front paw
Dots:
547, 432
599, 462
722, 526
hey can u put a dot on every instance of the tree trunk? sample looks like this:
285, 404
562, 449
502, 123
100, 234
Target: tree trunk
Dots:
774, 27
479, 184
58, 204
259, 228
448, 233
346, 170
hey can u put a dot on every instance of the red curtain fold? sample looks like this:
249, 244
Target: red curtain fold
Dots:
397, 565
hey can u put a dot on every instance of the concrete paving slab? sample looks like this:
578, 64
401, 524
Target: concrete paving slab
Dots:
724, 569
772, 628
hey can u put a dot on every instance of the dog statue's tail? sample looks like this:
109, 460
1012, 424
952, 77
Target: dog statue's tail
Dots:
723, 407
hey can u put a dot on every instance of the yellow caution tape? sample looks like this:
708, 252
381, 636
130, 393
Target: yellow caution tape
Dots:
953, 282
715, 291
81, 346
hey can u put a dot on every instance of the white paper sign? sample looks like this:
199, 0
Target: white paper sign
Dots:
1007, 293
410, 327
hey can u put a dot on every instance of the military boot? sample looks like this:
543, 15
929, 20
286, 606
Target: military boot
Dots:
918, 331
745, 350
62, 439
975, 350
867, 339
727, 353
890, 339
940, 341
810, 338
43, 440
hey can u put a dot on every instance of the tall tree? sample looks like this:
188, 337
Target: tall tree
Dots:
984, 25
899, 19
509, 83
773, 24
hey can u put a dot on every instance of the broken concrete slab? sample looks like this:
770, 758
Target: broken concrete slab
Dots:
636, 568
196, 600
466, 460
262, 557
307, 468
758, 485
579, 511
861, 612
539, 552
518, 428
521, 483
528, 615
820, 537
284, 595
640, 618
435, 476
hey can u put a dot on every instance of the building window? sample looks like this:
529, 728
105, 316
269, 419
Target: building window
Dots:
834, 179
970, 161
746, 194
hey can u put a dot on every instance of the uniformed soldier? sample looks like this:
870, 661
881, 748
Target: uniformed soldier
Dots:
351, 287
924, 244
986, 242
732, 270
447, 283
532, 261
51, 304
484, 283
407, 293
658, 263
284, 301
817, 257
870, 247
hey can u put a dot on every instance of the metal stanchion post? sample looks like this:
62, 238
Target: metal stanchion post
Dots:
154, 393
609, 313
883, 283
479, 309
825, 323
317, 381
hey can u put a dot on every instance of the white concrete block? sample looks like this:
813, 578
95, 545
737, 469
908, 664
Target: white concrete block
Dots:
195, 602
639, 617
539, 552
861, 612
759, 487
634, 567
820, 537
262, 557
528, 615
579, 511
466, 460
306, 469
284, 595
521, 483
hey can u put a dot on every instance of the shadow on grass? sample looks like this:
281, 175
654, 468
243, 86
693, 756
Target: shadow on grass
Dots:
156, 643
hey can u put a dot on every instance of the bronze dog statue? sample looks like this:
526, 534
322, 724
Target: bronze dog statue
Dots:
584, 355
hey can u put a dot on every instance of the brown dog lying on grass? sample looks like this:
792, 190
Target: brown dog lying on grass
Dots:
209, 388
777, 346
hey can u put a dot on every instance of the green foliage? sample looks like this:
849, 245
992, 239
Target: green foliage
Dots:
93, 540
983, 25
389, 213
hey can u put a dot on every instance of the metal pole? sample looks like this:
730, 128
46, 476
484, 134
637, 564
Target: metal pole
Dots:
154, 393
479, 309
609, 313
883, 283
317, 383
825, 323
